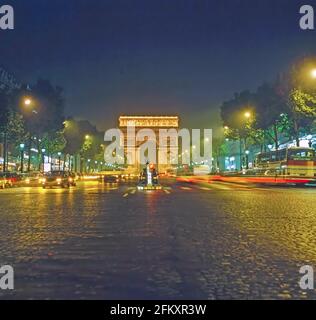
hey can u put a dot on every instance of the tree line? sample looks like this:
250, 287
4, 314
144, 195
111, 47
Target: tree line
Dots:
282, 110
33, 117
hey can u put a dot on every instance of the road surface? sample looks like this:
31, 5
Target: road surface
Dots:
212, 241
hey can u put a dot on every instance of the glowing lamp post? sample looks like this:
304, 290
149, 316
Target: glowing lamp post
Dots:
247, 158
22, 146
59, 160
43, 158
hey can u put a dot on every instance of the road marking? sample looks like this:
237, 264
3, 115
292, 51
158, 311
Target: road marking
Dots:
133, 191
167, 192
204, 188
186, 188
125, 195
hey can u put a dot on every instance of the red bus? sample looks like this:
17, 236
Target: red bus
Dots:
292, 161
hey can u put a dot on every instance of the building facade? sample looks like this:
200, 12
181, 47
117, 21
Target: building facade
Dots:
154, 123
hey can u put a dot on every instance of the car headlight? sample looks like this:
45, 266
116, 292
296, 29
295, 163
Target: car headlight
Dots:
58, 180
70, 179
27, 181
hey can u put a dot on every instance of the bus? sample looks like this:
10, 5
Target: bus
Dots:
291, 161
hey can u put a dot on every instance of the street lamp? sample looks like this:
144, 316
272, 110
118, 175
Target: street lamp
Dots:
59, 160
22, 145
247, 114
27, 102
226, 130
89, 160
247, 158
43, 158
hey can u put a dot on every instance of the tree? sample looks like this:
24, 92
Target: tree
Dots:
49, 104
16, 133
238, 115
299, 91
233, 111
302, 109
44, 116
220, 149
4, 114
83, 139
270, 108
74, 138
12, 124
53, 142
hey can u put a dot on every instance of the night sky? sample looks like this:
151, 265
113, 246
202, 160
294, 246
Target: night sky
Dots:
153, 56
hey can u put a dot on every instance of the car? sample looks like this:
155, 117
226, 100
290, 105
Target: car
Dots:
128, 177
12, 179
57, 179
72, 177
33, 179
3, 181
111, 178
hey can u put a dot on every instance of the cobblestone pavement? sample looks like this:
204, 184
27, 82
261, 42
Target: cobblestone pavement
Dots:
187, 241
